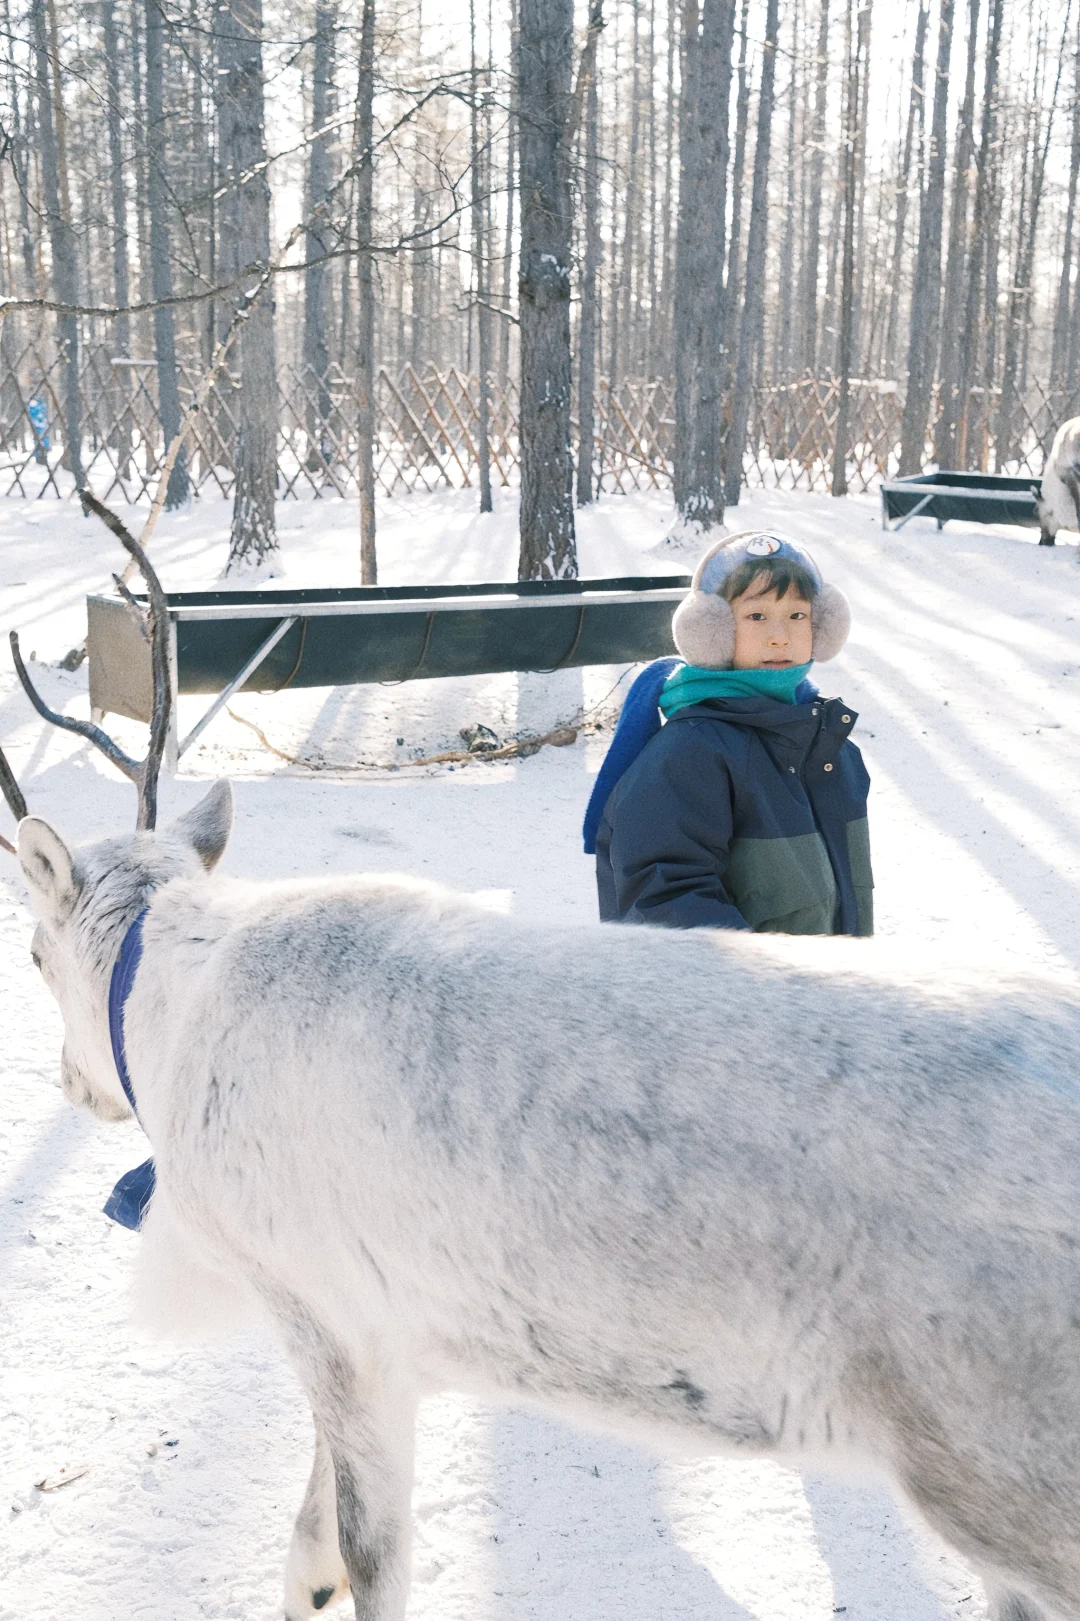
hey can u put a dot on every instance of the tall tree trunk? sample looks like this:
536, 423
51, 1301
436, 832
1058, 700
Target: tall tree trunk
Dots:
364, 147
631, 208
708, 38
238, 26
732, 301
751, 326
157, 188
783, 346
1061, 376
117, 195
926, 292
118, 202
849, 182
590, 268
963, 157
967, 359
903, 184
62, 241
319, 238
544, 73
479, 255
808, 287
508, 238
1018, 317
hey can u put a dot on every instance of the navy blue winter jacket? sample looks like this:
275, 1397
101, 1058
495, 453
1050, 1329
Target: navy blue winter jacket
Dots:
742, 813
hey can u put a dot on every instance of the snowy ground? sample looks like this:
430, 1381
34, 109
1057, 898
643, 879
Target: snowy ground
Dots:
965, 668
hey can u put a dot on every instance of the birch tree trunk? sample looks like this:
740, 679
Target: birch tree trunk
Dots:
708, 37
544, 66
903, 185
245, 214
590, 268
1018, 318
967, 358
849, 173
751, 326
118, 202
57, 199
1060, 374
733, 277
364, 145
117, 197
479, 254
963, 157
161, 277
926, 292
319, 238
808, 288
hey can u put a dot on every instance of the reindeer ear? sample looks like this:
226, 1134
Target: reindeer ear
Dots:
207, 825
49, 869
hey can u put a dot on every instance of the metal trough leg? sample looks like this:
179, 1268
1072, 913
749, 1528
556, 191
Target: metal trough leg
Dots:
238, 681
914, 513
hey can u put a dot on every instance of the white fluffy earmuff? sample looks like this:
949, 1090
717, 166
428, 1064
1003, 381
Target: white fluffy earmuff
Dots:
704, 626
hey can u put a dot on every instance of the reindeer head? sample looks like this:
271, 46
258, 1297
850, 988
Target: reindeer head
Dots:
85, 900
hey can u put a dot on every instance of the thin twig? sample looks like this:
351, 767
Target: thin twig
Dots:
84, 728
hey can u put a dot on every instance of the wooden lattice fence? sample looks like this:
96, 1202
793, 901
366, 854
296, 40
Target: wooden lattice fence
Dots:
427, 430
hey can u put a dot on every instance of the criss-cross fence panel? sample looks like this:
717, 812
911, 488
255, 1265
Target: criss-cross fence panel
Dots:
427, 429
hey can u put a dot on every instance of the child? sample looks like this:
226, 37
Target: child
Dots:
747, 808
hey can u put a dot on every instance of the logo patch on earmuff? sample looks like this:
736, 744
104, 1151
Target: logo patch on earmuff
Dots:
763, 546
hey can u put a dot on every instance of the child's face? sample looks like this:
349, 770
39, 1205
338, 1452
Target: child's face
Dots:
771, 632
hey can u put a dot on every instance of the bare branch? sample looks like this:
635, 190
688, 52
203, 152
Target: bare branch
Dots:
11, 790
147, 773
84, 728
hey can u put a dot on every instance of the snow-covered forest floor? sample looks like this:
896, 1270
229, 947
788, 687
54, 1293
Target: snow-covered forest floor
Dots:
964, 666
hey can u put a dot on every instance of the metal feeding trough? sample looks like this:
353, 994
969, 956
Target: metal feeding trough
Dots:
975, 497
223, 642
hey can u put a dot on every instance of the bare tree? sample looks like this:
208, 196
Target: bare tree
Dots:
925, 318
708, 37
161, 278
590, 267
916, 105
238, 26
751, 326
478, 165
956, 262
364, 147
544, 71
808, 289
52, 127
320, 235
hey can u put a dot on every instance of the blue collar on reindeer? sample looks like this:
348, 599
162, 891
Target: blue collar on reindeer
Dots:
129, 1200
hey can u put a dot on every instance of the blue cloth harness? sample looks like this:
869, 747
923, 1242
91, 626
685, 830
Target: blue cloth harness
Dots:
129, 1200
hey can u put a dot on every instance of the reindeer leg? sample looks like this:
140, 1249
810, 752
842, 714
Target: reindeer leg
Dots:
366, 1419
315, 1574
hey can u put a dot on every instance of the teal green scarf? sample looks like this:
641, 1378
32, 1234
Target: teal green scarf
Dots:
691, 685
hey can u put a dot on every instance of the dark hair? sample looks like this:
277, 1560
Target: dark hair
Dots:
779, 574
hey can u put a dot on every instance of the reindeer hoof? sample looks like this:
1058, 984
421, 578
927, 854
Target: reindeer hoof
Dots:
1047, 540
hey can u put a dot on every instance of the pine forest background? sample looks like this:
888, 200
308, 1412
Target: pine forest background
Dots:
681, 241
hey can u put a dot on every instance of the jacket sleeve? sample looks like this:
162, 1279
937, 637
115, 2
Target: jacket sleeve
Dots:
670, 823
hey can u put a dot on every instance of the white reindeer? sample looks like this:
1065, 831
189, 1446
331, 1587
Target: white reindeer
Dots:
731, 1192
1058, 501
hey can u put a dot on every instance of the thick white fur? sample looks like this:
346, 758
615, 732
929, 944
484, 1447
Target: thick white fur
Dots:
704, 627
1058, 501
730, 1192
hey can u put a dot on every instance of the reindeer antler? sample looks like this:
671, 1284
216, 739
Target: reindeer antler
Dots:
13, 794
143, 773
